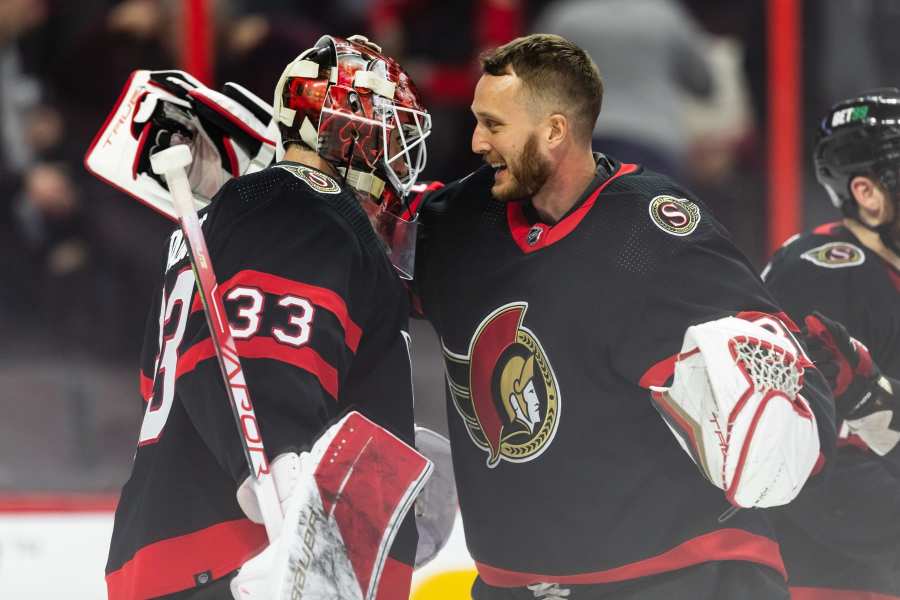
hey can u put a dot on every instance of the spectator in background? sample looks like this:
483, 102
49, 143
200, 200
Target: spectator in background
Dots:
651, 53
439, 43
19, 96
80, 244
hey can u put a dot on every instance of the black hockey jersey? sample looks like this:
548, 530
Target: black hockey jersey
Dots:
551, 335
320, 322
845, 538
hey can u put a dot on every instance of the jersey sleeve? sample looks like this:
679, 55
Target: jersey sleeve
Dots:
699, 278
292, 297
800, 288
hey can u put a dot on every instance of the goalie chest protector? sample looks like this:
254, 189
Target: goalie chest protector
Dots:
549, 336
848, 536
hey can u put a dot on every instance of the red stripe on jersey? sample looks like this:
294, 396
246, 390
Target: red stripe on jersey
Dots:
724, 544
264, 347
827, 228
146, 387
810, 593
395, 580
170, 565
519, 226
322, 297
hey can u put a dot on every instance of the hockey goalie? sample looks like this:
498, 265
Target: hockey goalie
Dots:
319, 322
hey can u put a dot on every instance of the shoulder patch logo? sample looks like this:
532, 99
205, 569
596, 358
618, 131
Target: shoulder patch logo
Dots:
835, 255
505, 389
317, 180
675, 216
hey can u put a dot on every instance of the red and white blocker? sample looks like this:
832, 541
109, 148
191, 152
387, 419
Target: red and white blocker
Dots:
735, 407
351, 494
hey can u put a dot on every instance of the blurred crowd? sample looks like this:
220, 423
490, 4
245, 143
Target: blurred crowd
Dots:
685, 94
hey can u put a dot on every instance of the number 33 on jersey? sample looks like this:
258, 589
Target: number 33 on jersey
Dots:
265, 312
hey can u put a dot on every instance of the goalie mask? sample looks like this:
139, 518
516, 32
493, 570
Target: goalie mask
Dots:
359, 110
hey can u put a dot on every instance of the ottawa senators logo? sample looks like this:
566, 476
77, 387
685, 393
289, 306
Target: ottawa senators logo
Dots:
318, 181
835, 255
677, 216
505, 390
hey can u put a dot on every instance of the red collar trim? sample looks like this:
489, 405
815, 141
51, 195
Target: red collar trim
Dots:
828, 228
548, 235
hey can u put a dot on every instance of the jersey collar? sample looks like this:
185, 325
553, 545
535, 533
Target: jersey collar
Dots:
531, 235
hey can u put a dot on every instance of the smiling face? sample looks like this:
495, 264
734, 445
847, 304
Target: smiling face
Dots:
507, 136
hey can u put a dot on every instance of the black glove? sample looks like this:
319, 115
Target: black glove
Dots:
846, 364
863, 397
225, 130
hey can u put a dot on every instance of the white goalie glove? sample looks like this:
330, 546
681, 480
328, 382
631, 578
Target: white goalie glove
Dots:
735, 407
437, 505
229, 132
345, 502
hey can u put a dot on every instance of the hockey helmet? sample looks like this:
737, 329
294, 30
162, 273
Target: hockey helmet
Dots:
360, 111
859, 137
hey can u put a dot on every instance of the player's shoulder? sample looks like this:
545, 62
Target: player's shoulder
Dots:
655, 210
827, 248
295, 201
470, 191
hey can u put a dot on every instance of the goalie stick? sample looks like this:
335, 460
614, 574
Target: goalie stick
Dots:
171, 164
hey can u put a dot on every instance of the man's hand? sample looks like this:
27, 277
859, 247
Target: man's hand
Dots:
863, 397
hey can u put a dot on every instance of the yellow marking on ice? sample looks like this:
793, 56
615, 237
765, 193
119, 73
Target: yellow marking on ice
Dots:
450, 585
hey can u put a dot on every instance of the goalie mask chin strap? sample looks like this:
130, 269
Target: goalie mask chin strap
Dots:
362, 181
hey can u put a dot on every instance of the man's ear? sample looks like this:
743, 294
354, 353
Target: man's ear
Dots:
557, 130
864, 191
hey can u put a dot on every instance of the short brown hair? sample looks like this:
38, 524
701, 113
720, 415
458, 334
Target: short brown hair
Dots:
553, 69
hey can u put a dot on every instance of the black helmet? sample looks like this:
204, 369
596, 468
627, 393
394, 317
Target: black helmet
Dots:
859, 137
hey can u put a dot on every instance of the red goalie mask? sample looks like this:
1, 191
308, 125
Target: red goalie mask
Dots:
360, 111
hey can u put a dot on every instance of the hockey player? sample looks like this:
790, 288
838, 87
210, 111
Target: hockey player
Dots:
842, 542
561, 283
565, 287
317, 312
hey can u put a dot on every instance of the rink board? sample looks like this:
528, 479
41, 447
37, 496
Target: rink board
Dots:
56, 548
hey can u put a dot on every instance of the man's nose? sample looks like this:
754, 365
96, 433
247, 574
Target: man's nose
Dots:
479, 142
